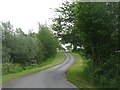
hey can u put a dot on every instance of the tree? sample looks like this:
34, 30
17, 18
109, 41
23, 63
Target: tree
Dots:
94, 27
7, 37
64, 24
49, 43
17, 46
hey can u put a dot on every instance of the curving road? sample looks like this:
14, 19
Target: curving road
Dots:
50, 78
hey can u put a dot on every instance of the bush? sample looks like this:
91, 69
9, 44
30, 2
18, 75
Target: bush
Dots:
106, 76
11, 68
87, 73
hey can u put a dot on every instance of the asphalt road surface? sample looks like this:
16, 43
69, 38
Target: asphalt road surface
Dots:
50, 78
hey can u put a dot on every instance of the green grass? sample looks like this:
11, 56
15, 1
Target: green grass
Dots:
77, 73
60, 57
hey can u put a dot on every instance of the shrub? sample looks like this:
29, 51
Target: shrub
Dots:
11, 68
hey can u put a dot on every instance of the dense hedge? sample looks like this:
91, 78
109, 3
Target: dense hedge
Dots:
25, 49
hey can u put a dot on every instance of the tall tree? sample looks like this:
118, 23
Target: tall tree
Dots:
49, 43
93, 26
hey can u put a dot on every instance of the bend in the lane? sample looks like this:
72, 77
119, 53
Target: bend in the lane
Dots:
50, 78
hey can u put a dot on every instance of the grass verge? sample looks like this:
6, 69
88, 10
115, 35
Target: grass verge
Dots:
77, 73
60, 57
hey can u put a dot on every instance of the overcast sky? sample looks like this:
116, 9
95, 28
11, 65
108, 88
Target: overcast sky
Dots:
27, 13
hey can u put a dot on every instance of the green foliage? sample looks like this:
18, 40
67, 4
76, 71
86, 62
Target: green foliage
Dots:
25, 50
17, 47
11, 68
93, 27
16, 71
80, 73
95, 31
64, 24
49, 43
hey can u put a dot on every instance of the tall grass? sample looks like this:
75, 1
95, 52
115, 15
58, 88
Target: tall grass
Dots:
80, 73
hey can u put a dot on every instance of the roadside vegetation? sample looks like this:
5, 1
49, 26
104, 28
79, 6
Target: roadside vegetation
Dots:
79, 74
59, 58
92, 29
22, 52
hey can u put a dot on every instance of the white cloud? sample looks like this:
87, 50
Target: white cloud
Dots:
27, 13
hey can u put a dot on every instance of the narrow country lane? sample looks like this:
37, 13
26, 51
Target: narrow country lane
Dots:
50, 78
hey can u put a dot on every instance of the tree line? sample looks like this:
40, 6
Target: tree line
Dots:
92, 29
27, 49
